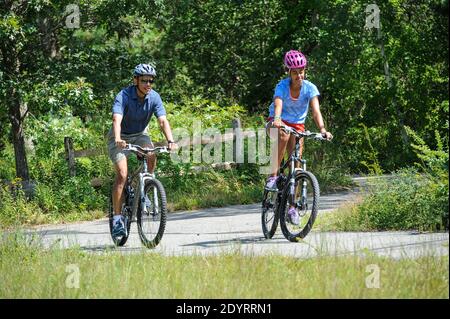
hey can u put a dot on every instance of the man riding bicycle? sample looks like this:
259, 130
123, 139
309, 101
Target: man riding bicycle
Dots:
132, 110
292, 98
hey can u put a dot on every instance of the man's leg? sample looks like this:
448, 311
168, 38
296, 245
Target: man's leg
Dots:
145, 141
151, 162
121, 169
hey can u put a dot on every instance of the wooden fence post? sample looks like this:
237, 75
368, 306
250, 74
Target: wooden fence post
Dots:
238, 149
70, 155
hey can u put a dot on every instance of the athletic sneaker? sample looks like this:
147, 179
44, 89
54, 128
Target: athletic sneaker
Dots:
119, 228
293, 216
271, 184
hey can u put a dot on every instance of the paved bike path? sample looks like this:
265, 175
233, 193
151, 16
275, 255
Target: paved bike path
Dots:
238, 228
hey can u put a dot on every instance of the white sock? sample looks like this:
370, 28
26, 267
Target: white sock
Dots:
116, 218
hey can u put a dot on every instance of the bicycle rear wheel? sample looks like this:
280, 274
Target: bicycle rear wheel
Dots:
151, 219
306, 203
121, 240
269, 214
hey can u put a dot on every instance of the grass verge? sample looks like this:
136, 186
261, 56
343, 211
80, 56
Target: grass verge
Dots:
407, 201
27, 270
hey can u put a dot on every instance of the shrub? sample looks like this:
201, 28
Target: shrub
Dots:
414, 198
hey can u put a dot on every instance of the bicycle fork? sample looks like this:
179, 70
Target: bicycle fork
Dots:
144, 197
142, 193
301, 203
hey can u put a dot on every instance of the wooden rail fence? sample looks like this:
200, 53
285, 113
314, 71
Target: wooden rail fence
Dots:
71, 153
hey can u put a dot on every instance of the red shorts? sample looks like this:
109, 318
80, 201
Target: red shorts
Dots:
298, 127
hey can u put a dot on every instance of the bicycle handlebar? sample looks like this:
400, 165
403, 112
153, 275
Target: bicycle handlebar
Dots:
316, 136
138, 149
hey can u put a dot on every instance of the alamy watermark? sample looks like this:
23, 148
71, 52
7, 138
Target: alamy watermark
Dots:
373, 17
210, 146
72, 14
73, 277
373, 279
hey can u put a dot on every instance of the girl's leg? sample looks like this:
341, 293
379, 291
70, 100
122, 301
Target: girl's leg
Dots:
283, 139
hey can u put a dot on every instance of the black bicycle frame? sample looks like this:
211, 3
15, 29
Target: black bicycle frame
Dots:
291, 177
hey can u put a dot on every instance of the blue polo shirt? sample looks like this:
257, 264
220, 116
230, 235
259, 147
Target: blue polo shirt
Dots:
294, 110
137, 116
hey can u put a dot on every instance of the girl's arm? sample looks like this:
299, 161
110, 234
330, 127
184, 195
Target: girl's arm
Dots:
317, 116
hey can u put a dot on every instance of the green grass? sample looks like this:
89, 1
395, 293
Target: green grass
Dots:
344, 218
220, 191
29, 271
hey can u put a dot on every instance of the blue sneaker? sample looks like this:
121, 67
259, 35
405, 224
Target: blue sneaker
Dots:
293, 216
271, 184
119, 228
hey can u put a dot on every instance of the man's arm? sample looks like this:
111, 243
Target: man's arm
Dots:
317, 116
117, 120
165, 127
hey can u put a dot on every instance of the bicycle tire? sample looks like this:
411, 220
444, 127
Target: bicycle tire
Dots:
151, 239
119, 241
303, 230
269, 224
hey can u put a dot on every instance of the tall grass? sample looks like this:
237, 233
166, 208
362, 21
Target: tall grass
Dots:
29, 271
407, 201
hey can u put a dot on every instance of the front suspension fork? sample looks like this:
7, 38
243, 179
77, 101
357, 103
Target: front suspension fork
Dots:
292, 186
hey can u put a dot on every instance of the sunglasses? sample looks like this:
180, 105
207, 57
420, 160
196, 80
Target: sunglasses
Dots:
147, 81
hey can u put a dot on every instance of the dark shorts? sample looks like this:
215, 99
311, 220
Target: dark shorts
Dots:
296, 126
116, 154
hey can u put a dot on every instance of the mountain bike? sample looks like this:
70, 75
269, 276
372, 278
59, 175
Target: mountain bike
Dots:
299, 189
145, 198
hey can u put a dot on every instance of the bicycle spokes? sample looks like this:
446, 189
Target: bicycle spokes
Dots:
269, 214
151, 206
300, 209
155, 201
152, 215
301, 199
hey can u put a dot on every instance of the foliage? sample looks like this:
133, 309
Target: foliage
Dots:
216, 61
413, 198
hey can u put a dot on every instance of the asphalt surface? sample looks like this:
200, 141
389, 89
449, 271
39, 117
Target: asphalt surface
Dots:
238, 228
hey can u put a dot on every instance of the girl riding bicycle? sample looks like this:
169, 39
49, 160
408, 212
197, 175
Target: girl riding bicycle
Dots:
292, 98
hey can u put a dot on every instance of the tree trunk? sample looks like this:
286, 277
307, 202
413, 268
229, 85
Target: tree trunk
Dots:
18, 139
17, 112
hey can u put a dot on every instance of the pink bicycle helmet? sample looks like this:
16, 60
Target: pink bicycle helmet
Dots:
294, 59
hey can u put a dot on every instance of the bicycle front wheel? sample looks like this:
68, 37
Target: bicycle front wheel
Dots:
151, 219
269, 214
299, 206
